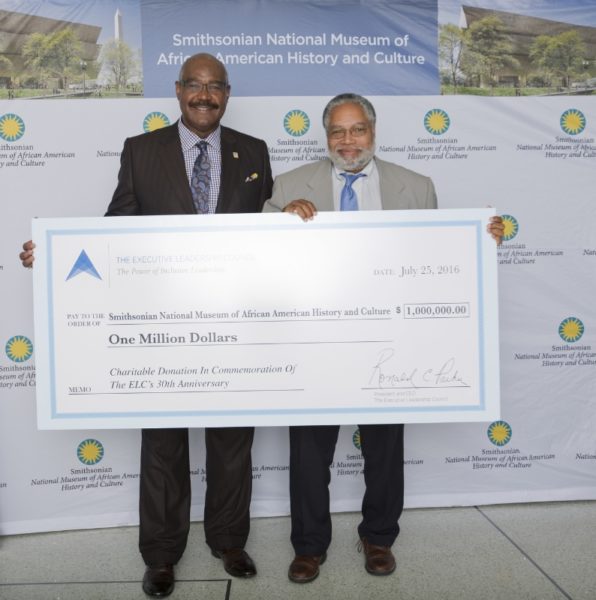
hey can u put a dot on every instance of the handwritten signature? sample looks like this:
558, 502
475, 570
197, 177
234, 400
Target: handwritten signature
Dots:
447, 375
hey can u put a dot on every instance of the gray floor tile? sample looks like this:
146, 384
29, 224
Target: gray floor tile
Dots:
442, 554
457, 554
560, 537
205, 590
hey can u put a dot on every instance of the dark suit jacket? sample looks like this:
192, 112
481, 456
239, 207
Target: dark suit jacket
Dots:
153, 181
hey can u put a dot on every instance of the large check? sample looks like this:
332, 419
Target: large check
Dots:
229, 320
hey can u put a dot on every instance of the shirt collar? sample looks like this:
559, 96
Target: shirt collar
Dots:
189, 138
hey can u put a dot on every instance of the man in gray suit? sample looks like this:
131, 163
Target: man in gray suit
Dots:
349, 121
352, 178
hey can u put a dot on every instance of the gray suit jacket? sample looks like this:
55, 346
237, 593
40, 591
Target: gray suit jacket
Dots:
400, 187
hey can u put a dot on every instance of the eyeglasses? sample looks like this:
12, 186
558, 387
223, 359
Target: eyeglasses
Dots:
213, 87
338, 133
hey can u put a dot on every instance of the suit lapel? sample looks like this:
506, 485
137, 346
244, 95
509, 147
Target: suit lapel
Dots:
173, 163
230, 165
390, 185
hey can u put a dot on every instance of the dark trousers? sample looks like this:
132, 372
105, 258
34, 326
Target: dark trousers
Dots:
164, 501
311, 455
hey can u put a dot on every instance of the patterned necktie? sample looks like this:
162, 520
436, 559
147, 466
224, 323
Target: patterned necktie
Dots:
348, 199
200, 181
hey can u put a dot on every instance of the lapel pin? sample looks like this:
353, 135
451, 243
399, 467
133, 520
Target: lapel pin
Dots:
251, 177
235, 154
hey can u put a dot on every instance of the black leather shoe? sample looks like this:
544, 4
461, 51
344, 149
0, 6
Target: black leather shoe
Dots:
236, 562
158, 580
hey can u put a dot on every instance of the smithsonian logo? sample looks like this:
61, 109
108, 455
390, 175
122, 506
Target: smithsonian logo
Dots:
19, 348
12, 127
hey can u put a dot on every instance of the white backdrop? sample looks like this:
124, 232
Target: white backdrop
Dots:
495, 152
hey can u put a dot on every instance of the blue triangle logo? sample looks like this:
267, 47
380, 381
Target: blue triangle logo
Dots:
83, 264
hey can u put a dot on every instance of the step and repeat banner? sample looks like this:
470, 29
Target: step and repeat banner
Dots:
531, 156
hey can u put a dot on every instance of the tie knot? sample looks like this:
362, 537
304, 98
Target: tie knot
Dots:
202, 145
351, 177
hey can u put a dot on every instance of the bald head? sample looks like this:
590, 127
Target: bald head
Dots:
203, 57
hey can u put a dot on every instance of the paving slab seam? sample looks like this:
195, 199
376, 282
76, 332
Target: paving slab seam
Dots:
524, 553
110, 582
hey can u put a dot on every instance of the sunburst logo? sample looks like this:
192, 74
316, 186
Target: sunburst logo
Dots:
90, 452
571, 329
12, 127
573, 121
511, 227
19, 348
499, 433
296, 123
436, 121
155, 120
356, 439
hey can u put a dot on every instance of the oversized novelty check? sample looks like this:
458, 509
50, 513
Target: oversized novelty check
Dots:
229, 320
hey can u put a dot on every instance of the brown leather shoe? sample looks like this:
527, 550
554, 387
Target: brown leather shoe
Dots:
158, 580
378, 560
236, 562
305, 568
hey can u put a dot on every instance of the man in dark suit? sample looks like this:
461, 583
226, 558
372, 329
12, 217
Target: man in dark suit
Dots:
163, 172
352, 178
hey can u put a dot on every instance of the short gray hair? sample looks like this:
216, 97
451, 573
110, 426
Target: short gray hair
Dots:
349, 98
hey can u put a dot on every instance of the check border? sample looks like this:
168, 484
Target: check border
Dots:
52, 230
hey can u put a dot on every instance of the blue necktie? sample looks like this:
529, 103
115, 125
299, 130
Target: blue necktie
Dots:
348, 199
200, 180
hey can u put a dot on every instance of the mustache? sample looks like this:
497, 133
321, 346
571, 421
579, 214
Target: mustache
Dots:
340, 147
204, 103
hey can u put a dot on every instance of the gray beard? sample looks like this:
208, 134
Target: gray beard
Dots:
356, 164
